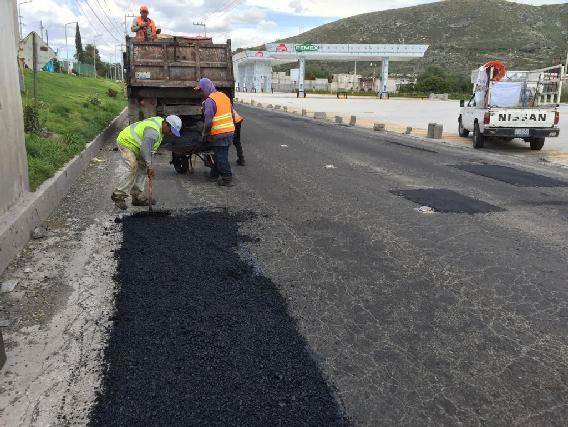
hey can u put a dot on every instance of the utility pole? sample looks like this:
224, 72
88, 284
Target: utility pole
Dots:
201, 24
34, 64
66, 45
125, 27
41, 29
46, 37
20, 16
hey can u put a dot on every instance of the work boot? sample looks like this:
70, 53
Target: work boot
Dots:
241, 161
210, 177
119, 202
225, 181
142, 201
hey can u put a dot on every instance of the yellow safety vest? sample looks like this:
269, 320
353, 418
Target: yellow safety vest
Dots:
132, 136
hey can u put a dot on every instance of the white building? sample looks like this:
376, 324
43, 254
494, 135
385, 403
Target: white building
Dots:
45, 53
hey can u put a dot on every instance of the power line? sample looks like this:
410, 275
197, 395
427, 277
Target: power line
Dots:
112, 23
92, 25
99, 19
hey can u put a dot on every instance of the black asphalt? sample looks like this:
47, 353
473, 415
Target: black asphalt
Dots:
199, 338
348, 299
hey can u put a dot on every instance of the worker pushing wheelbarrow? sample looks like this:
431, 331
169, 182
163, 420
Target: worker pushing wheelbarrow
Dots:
210, 139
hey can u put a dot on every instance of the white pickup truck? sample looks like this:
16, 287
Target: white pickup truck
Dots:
522, 105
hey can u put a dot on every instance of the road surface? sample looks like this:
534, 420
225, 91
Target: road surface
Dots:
315, 291
398, 111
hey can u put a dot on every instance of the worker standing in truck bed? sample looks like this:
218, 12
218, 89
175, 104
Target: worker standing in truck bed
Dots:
144, 27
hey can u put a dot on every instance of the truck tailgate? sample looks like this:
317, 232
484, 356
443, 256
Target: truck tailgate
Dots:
179, 64
522, 118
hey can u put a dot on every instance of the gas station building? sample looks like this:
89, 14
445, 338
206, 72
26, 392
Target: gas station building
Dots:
253, 69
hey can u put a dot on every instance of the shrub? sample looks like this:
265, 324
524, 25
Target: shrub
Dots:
32, 117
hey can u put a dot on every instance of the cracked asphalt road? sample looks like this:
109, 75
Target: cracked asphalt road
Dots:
370, 310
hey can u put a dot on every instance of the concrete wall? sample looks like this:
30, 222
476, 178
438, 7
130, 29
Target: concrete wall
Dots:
13, 163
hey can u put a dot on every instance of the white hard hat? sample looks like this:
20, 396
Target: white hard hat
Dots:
175, 124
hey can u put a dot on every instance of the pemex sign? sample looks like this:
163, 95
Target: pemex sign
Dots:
306, 47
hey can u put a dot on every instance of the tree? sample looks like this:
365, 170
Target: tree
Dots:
79, 53
88, 59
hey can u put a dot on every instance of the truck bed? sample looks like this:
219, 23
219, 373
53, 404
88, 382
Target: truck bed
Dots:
178, 62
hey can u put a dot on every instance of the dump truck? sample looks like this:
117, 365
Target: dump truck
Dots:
161, 76
512, 104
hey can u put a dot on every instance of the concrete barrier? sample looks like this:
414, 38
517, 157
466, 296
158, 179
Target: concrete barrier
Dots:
320, 115
338, 120
258, 104
435, 130
17, 225
379, 127
277, 107
353, 120
269, 106
439, 97
304, 112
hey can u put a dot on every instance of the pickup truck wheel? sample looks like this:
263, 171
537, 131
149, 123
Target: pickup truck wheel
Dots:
181, 164
478, 137
461, 130
537, 144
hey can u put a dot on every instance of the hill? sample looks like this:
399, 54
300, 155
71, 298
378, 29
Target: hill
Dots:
462, 34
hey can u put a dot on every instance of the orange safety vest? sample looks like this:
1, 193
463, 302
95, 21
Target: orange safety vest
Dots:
223, 120
141, 35
238, 117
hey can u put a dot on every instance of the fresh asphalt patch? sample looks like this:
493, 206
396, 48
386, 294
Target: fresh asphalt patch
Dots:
512, 176
447, 201
199, 337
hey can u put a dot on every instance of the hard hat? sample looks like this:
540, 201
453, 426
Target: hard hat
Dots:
143, 8
175, 124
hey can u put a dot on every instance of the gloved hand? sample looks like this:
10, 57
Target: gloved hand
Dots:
150, 172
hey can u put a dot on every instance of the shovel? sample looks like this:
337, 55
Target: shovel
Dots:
151, 211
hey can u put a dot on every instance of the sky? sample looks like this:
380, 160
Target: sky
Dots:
245, 22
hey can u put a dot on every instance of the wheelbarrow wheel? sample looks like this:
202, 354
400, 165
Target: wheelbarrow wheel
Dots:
181, 164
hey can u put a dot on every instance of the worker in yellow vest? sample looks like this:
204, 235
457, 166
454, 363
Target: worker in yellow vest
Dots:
237, 138
219, 129
136, 144
144, 27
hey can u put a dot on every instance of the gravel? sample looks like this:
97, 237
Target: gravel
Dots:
199, 337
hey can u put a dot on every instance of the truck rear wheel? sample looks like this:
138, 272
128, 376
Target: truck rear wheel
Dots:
181, 164
537, 143
461, 130
478, 137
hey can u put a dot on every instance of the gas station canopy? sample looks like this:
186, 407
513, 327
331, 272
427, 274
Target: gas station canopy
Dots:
254, 68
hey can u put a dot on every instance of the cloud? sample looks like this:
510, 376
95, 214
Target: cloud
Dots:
248, 22
297, 6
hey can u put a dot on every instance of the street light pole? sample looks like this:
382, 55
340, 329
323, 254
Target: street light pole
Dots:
66, 45
95, 53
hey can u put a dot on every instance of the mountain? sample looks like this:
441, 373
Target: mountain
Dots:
462, 34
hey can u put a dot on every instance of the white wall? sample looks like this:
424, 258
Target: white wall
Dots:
13, 163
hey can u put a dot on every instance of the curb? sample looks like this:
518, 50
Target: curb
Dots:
17, 225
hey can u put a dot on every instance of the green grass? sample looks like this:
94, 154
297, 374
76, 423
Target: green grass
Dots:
68, 113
